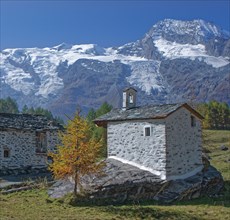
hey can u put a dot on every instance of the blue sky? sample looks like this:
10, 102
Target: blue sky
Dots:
106, 23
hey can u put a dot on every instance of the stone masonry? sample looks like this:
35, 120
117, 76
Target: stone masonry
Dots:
22, 146
183, 145
126, 141
22, 150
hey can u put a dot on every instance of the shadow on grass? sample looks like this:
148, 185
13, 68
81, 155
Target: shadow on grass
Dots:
137, 210
153, 209
141, 212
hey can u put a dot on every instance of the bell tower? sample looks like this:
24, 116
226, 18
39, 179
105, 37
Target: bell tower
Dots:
129, 98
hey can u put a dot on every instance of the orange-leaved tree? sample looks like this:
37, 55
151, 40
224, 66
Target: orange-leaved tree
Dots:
78, 153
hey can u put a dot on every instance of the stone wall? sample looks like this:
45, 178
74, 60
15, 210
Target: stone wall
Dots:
52, 140
22, 149
126, 141
184, 145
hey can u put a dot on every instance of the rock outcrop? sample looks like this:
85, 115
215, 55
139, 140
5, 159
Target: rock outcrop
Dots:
122, 182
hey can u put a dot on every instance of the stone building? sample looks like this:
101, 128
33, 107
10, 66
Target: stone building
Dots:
163, 139
25, 140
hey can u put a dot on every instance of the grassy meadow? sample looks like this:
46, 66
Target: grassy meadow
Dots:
36, 205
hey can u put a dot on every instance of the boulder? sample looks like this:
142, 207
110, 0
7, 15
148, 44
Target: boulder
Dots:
122, 182
223, 147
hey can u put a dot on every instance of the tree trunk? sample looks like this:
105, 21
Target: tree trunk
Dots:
75, 184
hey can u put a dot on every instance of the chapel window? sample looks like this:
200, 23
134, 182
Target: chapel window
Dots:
147, 131
193, 121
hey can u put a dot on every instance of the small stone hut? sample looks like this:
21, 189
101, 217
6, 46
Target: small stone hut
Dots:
163, 139
25, 140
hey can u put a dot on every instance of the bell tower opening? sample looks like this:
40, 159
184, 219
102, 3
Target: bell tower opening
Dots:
129, 98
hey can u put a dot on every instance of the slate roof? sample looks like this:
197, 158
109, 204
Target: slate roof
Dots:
27, 122
128, 88
144, 112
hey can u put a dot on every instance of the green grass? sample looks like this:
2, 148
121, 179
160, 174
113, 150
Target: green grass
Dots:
36, 205
219, 159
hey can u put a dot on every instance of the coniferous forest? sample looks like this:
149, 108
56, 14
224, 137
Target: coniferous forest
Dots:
216, 114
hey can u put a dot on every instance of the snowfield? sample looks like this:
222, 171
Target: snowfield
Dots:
35, 71
44, 62
173, 50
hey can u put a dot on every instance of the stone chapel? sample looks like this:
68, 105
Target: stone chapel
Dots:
163, 139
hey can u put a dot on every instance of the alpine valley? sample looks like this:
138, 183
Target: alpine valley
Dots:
174, 62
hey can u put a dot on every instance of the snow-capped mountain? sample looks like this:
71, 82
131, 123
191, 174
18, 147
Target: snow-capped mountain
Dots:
172, 62
194, 32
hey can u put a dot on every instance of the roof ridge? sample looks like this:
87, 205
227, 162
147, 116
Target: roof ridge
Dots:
21, 114
27, 121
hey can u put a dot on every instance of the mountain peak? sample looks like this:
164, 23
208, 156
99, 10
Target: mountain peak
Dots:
198, 31
63, 46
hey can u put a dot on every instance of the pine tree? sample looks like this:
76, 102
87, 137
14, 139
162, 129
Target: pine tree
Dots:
8, 105
91, 115
105, 107
25, 109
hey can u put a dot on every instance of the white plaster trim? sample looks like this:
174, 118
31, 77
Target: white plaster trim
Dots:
158, 173
184, 176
